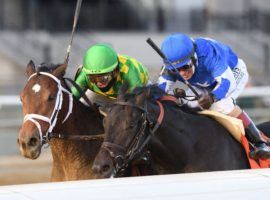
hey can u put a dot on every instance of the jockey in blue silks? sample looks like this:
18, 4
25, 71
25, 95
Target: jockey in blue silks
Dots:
217, 74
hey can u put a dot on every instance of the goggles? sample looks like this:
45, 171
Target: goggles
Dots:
180, 67
100, 78
185, 67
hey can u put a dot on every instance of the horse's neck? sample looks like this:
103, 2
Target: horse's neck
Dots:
83, 120
170, 131
72, 159
171, 114
181, 126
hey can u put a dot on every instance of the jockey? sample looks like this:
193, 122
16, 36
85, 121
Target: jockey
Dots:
216, 73
104, 72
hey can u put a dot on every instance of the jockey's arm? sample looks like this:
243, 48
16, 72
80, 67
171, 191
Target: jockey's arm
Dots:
136, 79
225, 84
166, 81
81, 80
133, 82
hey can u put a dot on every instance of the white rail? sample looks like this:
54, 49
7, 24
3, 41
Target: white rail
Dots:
243, 184
248, 92
258, 114
9, 100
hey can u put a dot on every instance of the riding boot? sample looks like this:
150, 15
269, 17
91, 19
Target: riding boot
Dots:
261, 150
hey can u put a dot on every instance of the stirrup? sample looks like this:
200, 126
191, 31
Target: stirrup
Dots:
260, 152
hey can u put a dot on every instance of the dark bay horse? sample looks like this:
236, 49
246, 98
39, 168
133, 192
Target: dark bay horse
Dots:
183, 142
48, 106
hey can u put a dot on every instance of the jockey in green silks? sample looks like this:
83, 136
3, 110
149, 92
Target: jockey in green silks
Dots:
104, 72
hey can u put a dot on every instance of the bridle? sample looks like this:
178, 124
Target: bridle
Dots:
57, 107
139, 141
52, 120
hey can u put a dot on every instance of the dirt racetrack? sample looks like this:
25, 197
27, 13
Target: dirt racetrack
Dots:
20, 170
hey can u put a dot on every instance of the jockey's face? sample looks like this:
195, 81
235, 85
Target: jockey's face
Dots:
187, 71
101, 80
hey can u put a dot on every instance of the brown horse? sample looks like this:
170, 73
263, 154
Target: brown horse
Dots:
48, 107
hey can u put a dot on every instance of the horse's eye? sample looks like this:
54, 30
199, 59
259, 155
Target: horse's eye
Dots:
132, 124
51, 97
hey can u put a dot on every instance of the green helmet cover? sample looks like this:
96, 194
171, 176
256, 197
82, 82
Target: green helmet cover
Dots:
99, 59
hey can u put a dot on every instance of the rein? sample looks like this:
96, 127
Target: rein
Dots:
52, 120
76, 137
82, 94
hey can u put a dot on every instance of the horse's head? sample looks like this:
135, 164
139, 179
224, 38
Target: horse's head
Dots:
126, 128
41, 100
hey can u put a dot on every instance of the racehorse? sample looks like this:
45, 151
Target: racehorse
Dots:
182, 141
49, 107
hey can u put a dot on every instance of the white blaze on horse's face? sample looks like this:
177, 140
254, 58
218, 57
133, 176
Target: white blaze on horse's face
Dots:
36, 88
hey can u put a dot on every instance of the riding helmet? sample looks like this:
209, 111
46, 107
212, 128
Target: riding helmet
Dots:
100, 59
178, 49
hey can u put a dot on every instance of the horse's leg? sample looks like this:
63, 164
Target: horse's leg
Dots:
57, 173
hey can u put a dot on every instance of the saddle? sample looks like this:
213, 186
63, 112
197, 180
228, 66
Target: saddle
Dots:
232, 124
236, 128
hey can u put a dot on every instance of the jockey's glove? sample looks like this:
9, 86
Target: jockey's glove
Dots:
179, 93
206, 100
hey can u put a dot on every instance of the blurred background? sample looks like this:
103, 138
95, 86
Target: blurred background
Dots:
40, 30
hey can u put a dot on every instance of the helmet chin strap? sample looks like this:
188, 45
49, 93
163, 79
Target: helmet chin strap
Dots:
105, 89
193, 69
194, 60
115, 74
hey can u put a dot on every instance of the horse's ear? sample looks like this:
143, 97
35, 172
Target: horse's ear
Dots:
122, 91
146, 94
60, 70
30, 69
104, 109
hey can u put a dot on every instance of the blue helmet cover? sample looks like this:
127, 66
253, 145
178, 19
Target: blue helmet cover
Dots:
178, 49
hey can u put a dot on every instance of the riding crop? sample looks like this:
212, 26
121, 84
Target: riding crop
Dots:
76, 16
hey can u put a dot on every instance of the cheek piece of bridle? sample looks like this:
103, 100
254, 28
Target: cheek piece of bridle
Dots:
136, 146
57, 107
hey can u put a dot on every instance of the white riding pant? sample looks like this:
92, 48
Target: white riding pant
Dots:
227, 104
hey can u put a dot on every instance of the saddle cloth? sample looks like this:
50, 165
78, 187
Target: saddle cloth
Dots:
232, 124
236, 128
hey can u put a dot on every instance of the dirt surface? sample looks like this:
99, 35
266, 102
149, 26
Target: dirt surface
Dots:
20, 170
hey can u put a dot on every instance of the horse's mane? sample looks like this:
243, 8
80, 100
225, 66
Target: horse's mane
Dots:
156, 93
47, 67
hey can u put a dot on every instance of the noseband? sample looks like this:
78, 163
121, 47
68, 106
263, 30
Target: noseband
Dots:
138, 143
57, 107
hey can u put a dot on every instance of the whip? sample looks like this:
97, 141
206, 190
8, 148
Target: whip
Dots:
76, 16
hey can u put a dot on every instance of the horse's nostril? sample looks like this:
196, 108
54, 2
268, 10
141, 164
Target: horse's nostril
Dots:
18, 141
96, 168
105, 168
32, 142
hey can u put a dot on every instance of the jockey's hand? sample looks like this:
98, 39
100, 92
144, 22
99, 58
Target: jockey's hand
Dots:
206, 100
179, 93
